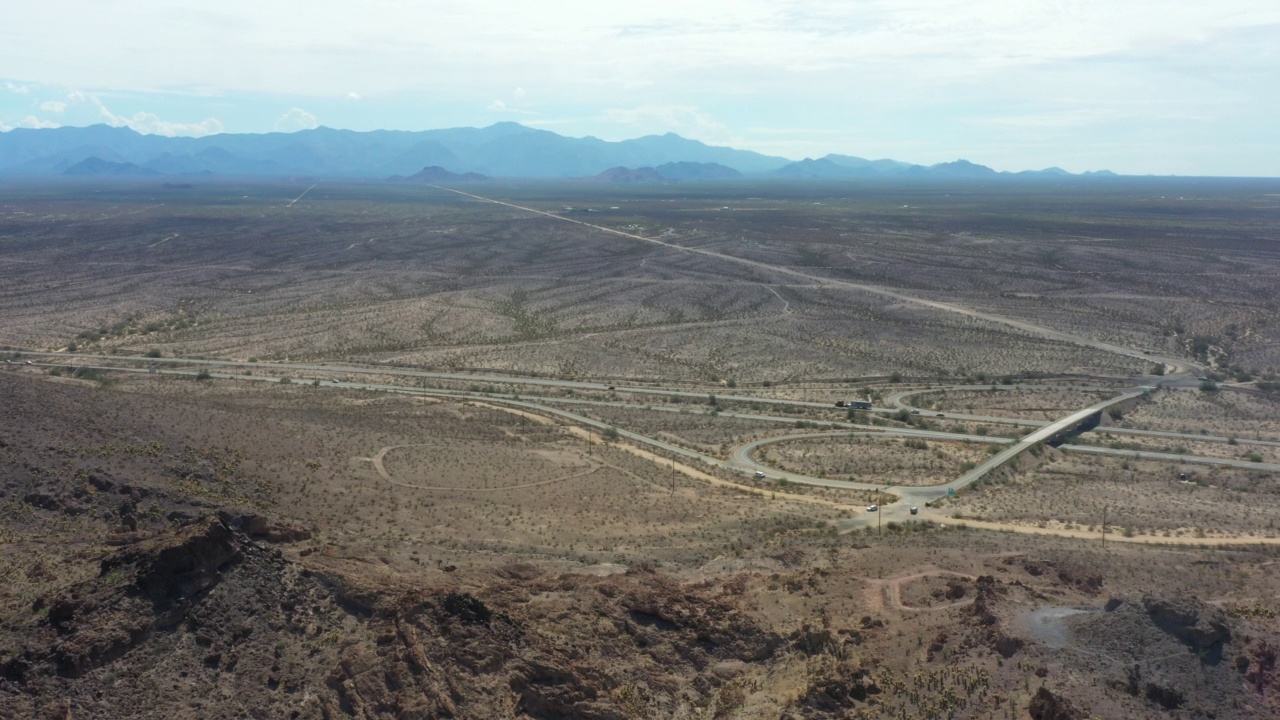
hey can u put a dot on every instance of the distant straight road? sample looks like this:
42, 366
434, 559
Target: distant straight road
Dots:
1179, 365
461, 377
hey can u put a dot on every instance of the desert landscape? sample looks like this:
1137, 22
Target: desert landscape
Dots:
568, 449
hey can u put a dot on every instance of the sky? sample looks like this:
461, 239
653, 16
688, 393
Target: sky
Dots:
1182, 87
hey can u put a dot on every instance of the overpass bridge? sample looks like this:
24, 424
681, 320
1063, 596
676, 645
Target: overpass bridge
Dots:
1052, 434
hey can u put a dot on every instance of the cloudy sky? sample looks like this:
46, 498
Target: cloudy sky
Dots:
1141, 86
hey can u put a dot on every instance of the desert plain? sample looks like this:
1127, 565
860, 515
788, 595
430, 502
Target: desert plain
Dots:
318, 449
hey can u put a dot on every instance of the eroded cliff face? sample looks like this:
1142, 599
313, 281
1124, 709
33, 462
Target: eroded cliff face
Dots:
207, 609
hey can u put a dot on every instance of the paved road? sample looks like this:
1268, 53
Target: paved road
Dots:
741, 460
1044, 434
1182, 436
781, 419
897, 400
1181, 367
701, 395
1171, 457
743, 457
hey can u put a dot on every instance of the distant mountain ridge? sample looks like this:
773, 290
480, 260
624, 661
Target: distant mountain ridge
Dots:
629, 175
435, 173
96, 166
667, 172
832, 167
504, 149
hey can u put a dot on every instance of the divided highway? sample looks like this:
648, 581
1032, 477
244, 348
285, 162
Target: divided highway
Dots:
741, 458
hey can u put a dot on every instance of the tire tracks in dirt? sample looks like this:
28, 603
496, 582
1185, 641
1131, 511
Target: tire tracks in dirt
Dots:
381, 469
887, 592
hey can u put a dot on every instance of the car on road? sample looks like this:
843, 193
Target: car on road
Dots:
759, 475
915, 510
940, 415
915, 412
1201, 378
873, 508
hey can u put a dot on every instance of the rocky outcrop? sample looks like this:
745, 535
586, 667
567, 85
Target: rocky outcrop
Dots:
261, 527
988, 594
140, 589
846, 685
1047, 705
1257, 663
1152, 690
1201, 626
459, 654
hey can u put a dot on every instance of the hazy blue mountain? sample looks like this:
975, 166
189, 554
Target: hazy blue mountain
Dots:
629, 175
848, 166
95, 166
822, 168
845, 166
883, 167
685, 170
954, 169
436, 173
1047, 172
501, 150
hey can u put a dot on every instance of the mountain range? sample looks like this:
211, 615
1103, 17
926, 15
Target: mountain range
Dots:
507, 149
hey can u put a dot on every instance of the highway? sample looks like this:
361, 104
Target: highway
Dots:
701, 395
1171, 457
1180, 367
741, 458
1042, 435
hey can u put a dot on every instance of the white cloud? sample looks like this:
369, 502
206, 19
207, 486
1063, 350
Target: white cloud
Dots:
950, 74
516, 105
562, 43
31, 121
53, 106
151, 124
296, 119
